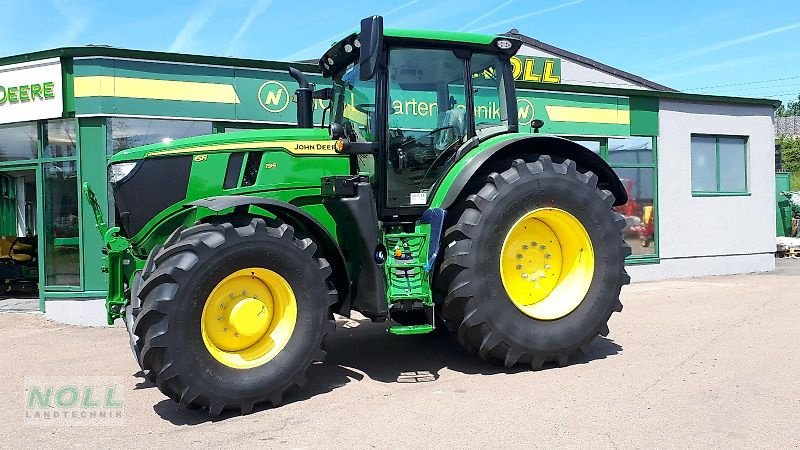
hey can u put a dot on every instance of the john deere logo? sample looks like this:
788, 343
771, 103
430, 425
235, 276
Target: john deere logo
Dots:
273, 96
526, 110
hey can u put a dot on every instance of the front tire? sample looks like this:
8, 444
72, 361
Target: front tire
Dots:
233, 316
511, 298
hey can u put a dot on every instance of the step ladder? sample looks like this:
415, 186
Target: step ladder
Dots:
407, 279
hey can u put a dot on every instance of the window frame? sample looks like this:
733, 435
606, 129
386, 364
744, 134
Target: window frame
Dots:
718, 192
652, 258
38, 163
37, 125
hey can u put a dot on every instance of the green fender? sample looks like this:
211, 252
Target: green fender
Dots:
515, 145
296, 217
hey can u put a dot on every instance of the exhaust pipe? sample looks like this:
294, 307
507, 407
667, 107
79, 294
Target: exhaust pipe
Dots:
304, 94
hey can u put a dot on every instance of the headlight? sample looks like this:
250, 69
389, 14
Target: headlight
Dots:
118, 172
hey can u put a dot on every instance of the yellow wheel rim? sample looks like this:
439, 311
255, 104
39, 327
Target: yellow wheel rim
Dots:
547, 263
248, 318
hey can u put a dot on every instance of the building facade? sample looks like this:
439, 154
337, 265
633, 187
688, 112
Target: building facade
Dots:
698, 169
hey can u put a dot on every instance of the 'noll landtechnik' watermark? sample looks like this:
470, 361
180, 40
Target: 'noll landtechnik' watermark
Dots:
92, 401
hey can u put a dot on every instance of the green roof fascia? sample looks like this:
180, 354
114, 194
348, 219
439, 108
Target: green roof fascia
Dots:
112, 52
239, 137
574, 88
452, 36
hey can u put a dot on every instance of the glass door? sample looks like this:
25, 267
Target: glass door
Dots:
61, 224
19, 248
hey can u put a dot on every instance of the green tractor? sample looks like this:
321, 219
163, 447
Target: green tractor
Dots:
413, 203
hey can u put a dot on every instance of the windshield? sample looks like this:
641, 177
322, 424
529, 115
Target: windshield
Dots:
353, 104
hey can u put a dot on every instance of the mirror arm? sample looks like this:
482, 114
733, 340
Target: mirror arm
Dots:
346, 147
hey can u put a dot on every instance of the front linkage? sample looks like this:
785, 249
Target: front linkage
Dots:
117, 258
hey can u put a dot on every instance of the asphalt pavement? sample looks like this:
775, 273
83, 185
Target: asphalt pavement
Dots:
706, 362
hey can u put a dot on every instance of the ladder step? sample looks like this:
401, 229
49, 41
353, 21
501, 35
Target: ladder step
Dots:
405, 330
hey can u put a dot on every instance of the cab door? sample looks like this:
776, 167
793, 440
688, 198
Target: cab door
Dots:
428, 119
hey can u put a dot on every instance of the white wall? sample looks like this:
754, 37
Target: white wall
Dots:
575, 73
713, 235
88, 312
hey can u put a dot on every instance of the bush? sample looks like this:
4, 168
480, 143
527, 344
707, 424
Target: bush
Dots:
790, 153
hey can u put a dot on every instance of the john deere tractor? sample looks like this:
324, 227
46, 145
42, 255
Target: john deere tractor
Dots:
417, 202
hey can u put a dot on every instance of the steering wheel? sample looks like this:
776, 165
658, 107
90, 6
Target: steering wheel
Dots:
440, 129
434, 163
365, 108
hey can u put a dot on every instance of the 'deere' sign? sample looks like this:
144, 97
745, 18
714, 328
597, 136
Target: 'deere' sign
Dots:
26, 93
31, 91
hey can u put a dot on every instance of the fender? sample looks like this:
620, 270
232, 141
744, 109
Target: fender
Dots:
534, 144
292, 215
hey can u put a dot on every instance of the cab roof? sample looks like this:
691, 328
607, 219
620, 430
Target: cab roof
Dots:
342, 53
456, 37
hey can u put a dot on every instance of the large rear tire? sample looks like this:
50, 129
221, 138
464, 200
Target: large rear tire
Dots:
233, 316
534, 264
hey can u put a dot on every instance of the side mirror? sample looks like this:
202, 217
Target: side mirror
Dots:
323, 94
536, 124
337, 131
371, 40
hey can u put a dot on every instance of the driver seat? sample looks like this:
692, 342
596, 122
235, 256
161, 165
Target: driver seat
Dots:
456, 118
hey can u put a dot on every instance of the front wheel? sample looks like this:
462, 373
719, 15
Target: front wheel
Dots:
533, 267
233, 316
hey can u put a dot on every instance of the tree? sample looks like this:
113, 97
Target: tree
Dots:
790, 153
791, 109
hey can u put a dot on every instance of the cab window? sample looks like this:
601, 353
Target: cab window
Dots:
427, 121
491, 107
353, 104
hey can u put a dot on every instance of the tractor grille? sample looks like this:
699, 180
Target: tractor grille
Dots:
155, 185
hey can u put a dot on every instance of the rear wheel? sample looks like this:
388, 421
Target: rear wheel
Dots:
233, 316
533, 267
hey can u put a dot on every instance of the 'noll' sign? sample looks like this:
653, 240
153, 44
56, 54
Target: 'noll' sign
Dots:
536, 68
31, 91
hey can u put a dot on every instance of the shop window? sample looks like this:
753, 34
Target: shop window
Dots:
126, 133
18, 142
233, 128
59, 139
639, 212
719, 165
61, 226
594, 146
633, 160
631, 150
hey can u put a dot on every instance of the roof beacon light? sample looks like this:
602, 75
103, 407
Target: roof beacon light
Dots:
504, 44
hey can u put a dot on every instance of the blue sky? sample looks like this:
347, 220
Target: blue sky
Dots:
746, 48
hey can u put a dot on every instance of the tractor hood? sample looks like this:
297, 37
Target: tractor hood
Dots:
181, 146
162, 173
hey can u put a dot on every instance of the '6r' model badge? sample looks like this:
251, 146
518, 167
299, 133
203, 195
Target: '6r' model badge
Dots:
200, 158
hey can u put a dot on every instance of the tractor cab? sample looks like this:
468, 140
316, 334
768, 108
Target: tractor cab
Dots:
405, 106
408, 104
